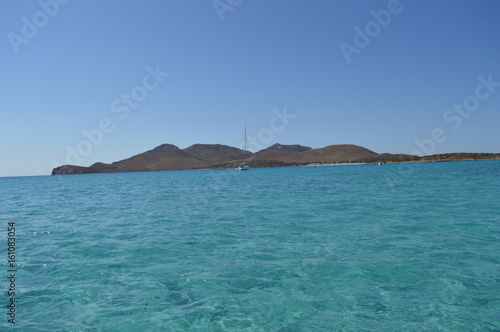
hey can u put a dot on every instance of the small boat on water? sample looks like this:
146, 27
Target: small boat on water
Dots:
243, 166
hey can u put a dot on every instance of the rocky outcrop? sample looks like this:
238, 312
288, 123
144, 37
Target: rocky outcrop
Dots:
70, 169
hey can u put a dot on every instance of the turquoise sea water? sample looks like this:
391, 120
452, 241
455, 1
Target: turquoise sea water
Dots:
344, 248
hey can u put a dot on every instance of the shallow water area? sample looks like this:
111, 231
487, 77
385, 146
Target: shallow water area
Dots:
348, 248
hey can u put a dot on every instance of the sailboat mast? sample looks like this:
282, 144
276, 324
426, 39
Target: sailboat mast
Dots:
245, 138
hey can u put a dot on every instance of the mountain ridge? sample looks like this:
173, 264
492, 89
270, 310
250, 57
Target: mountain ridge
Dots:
168, 157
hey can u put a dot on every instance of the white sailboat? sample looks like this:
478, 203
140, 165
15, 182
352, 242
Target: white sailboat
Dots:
243, 166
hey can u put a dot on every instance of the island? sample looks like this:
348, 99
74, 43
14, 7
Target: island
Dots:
168, 157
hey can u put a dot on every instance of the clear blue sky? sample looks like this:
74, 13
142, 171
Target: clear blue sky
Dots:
262, 57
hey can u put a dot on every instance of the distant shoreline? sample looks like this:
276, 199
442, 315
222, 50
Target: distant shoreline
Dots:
335, 164
168, 157
398, 162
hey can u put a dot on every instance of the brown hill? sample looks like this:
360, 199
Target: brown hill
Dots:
166, 157
339, 153
329, 154
170, 148
290, 148
163, 157
216, 152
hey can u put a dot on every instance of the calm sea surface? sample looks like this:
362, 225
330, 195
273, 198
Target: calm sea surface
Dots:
343, 248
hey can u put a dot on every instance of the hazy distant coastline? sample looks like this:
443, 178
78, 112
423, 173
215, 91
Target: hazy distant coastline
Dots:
168, 157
